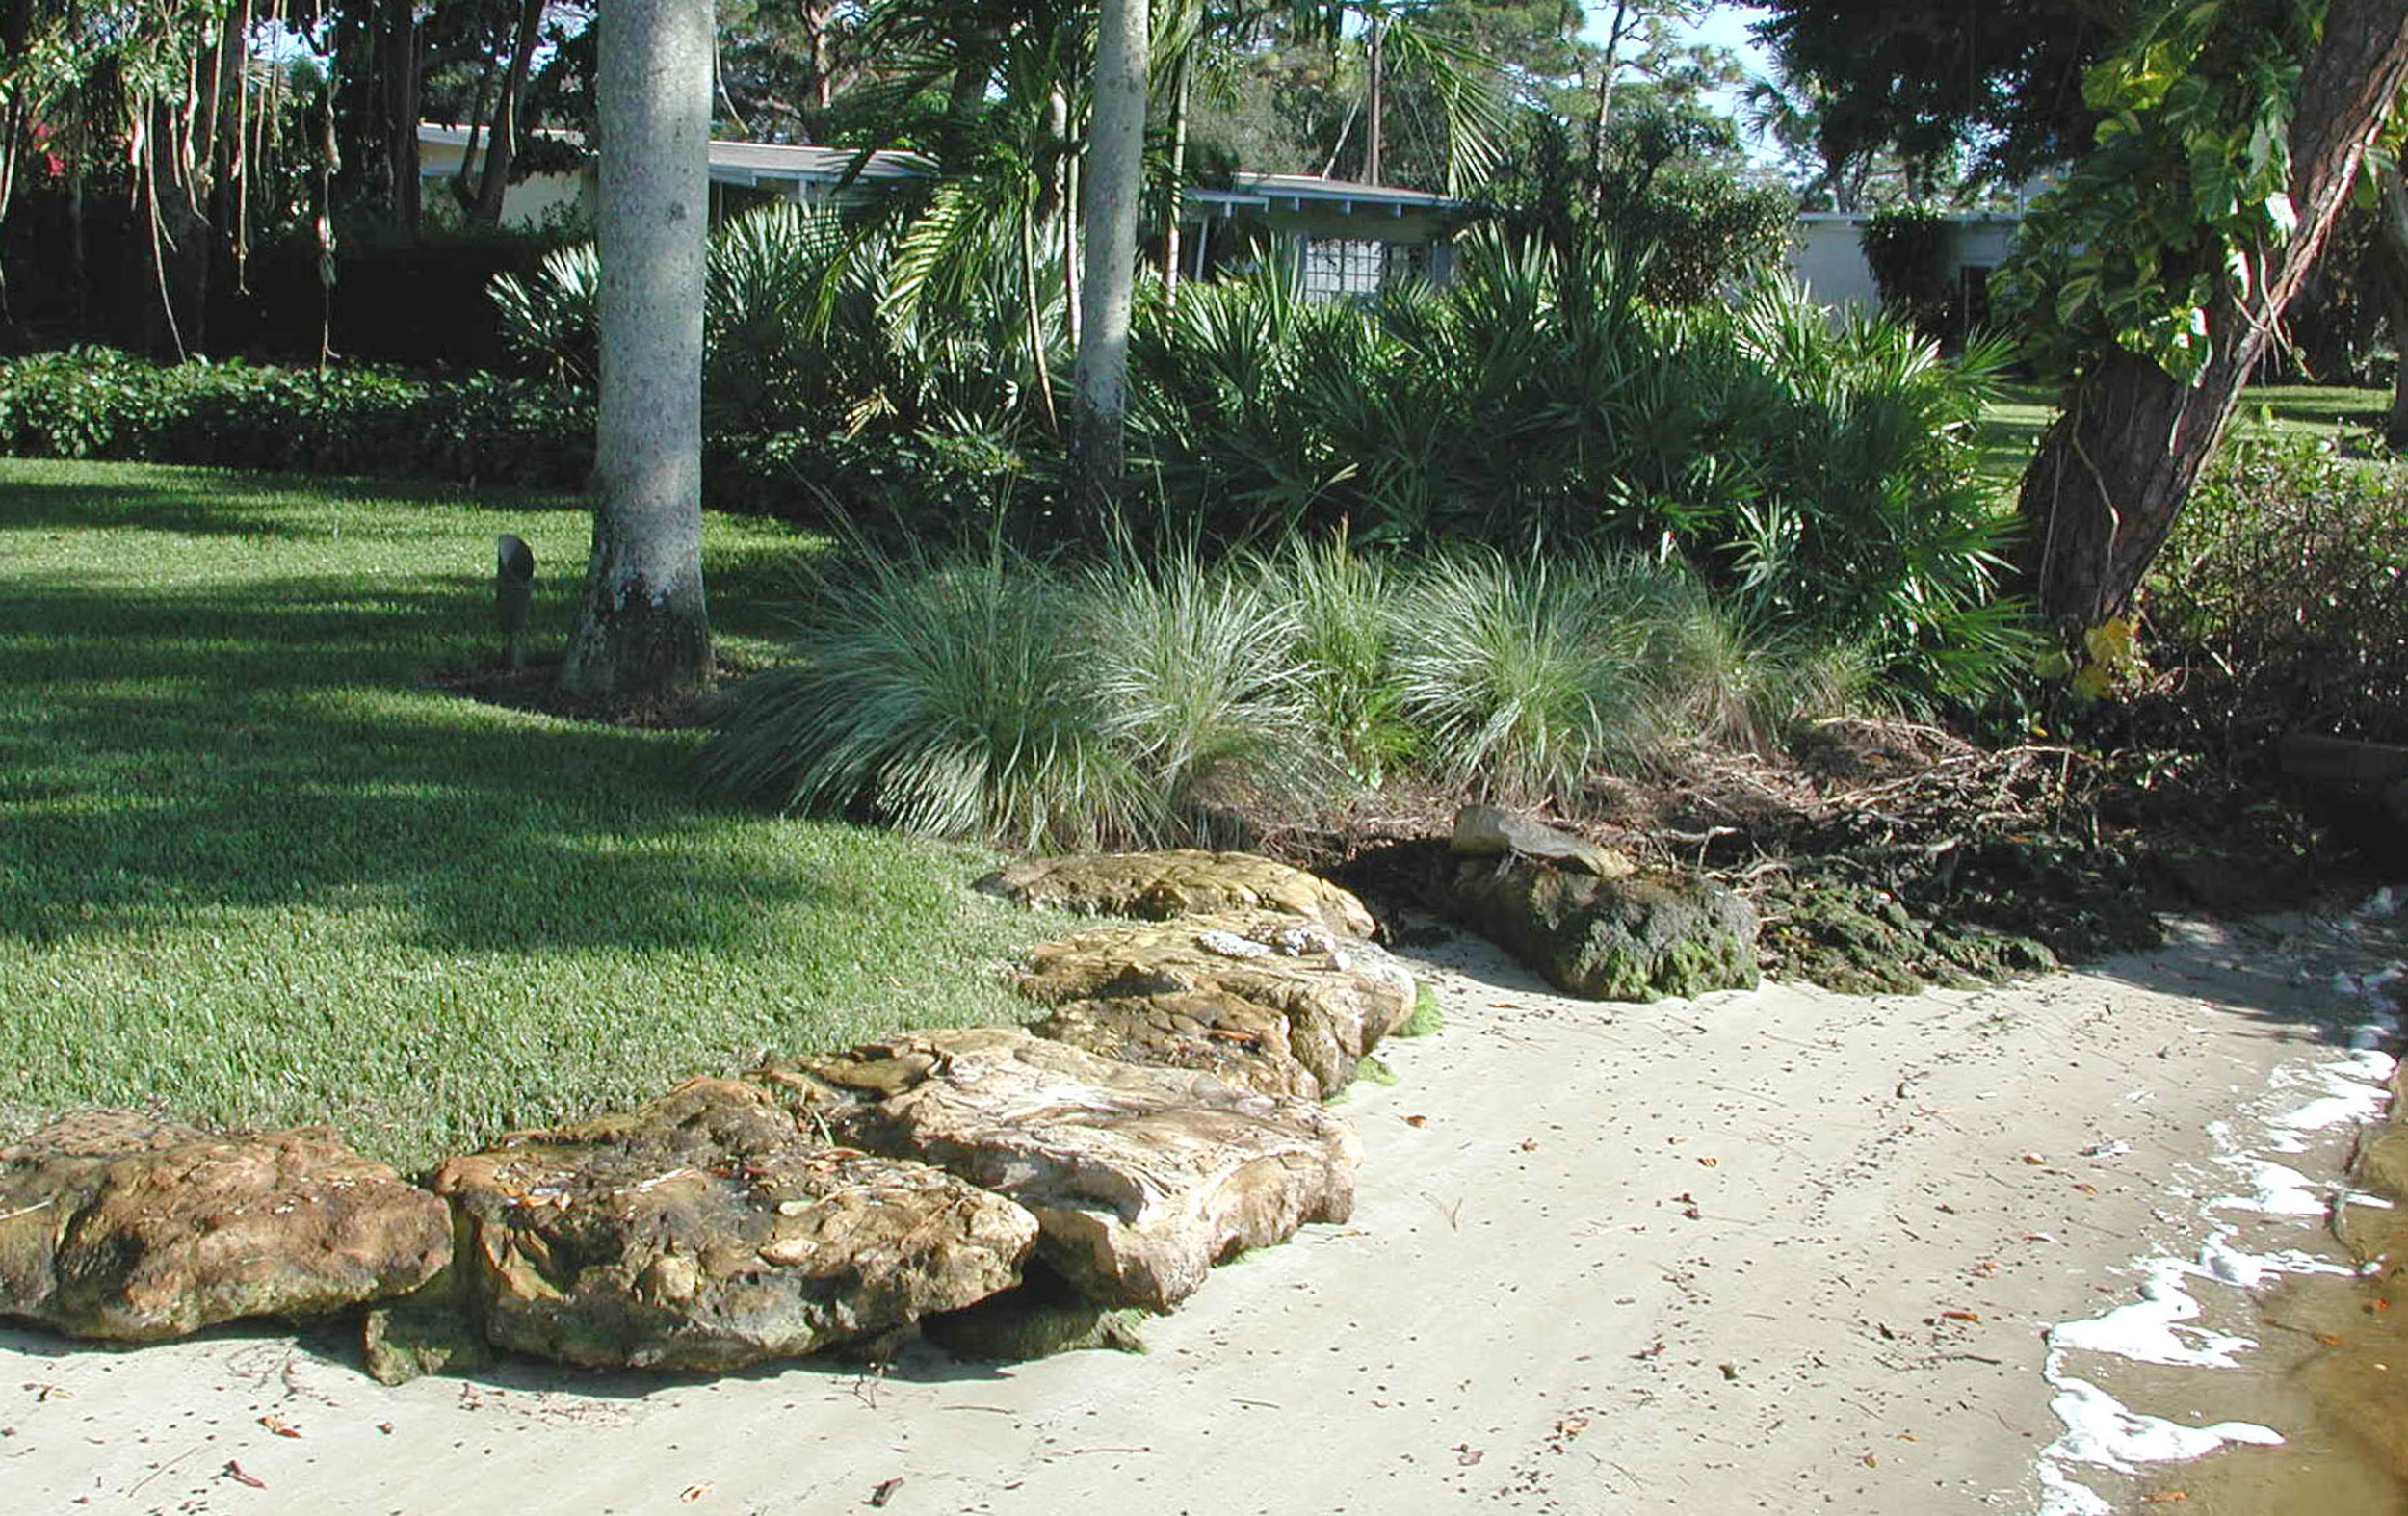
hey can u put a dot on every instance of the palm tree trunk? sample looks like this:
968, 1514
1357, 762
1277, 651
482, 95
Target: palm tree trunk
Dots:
1115, 178
643, 633
1178, 176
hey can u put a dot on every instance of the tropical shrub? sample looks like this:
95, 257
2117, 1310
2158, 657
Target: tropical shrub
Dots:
1822, 471
2282, 593
98, 402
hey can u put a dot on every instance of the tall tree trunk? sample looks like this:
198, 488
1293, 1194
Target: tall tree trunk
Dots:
397, 91
1178, 176
2390, 255
1114, 177
643, 633
1376, 111
1607, 67
2111, 473
501, 143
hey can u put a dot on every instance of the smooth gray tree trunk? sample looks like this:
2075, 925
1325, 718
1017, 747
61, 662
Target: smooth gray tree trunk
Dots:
1114, 177
643, 633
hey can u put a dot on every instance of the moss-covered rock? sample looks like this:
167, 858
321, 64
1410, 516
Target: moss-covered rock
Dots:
1639, 937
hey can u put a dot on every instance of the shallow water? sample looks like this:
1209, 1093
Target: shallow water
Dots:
2251, 1366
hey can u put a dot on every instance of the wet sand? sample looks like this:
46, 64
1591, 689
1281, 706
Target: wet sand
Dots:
1781, 1249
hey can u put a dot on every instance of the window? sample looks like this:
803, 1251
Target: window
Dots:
1339, 268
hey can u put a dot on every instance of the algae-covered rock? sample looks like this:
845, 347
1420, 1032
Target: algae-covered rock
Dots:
1639, 937
1269, 1002
427, 1333
1140, 1177
116, 1226
1183, 882
711, 1230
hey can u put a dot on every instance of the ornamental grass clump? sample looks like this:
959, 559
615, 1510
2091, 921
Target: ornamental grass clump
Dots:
1192, 673
947, 699
1341, 605
1522, 674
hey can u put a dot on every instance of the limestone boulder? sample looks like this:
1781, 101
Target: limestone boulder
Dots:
1275, 1003
1187, 882
1489, 832
1640, 937
117, 1225
1141, 1179
713, 1229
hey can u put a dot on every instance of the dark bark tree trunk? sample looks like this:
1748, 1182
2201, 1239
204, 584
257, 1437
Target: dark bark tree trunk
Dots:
1377, 110
643, 634
2390, 258
397, 91
501, 142
2112, 472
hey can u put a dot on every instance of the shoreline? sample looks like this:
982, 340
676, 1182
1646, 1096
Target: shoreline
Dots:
1778, 1248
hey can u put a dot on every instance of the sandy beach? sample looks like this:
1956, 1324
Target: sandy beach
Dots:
1778, 1249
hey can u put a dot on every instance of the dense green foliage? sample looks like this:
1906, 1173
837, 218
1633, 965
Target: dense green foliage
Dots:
98, 403
2280, 591
256, 869
1907, 249
1823, 475
2184, 197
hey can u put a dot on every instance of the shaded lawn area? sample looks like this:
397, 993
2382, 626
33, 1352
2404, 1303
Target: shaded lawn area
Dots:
256, 867
2012, 424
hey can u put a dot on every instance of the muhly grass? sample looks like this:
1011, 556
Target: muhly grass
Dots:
256, 867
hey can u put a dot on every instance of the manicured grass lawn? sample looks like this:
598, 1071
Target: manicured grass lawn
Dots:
256, 867
2011, 427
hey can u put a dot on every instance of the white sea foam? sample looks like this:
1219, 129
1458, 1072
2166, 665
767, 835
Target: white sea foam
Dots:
2100, 1430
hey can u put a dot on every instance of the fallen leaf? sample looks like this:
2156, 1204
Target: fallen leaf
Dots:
241, 1476
1529, 1144
1729, 1371
1987, 1269
2328, 1339
885, 1491
1709, 1163
1467, 1456
1887, 1335
1571, 1427
386, 1427
1908, 1437
1872, 1462
1684, 1198
1692, 1213
1649, 1352
2378, 1303
1676, 1141
2087, 1190
1417, 1121
1960, 1316
2035, 1159
278, 1425
693, 1492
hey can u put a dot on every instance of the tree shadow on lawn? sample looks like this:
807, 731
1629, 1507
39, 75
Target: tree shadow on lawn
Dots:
270, 743
202, 502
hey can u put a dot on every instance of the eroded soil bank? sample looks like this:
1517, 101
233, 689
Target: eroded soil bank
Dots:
1778, 1249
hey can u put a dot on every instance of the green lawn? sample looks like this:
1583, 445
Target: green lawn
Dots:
2012, 425
255, 867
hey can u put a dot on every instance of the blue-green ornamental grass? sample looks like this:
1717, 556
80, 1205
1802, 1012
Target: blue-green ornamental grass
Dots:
258, 867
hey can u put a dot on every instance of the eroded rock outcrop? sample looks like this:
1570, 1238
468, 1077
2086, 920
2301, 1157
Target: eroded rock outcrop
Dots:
1639, 937
1141, 1179
713, 1229
1160, 886
117, 1225
1271, 1002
